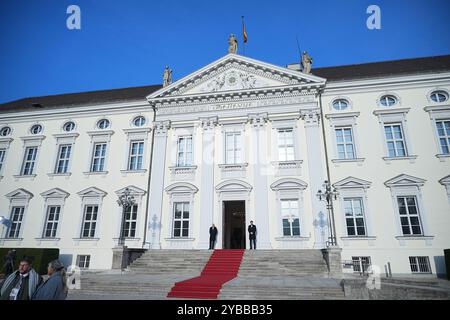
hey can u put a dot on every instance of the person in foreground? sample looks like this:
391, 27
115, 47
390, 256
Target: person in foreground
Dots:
21, 284
55, 287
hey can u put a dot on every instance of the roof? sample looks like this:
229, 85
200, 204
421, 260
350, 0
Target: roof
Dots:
81, 98
335, 73
385, 68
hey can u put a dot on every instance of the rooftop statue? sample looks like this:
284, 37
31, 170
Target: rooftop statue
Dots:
233, 44
167, 76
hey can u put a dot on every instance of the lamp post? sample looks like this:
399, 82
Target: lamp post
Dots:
328, 195
125, 201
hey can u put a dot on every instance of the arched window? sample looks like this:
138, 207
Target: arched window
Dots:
139, 121
69, 126
439, 96
36, 129
340, 104
388, 100
5, 131
103, 124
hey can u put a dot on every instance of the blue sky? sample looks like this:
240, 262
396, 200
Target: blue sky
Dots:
128, 43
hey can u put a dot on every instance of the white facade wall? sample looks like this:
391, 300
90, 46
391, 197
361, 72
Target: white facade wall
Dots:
69, 228
188, 108
387, 244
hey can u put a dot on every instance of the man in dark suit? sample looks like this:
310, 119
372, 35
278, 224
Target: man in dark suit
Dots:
252, 235
212, 236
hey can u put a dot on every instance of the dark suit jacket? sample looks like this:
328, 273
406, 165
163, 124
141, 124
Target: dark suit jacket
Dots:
252, 231
212, 233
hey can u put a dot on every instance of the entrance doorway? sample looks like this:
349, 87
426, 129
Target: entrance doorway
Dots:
234, 225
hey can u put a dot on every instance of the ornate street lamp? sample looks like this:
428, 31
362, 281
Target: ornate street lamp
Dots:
328, 195
126, 201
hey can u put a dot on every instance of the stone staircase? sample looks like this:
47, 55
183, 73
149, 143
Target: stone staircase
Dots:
170, 262
263, 274
283, 262
283, 274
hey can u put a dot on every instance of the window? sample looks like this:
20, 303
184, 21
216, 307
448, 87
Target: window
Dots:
420, 264
361, 264
139, 121
135, 161
69, 126
344, 140
354, 217
51, 222
185, 154
409, 216
181, 220
29, 161
129, 225
83, 261
439, 96
388, 100
16, 222
98, 157
340, 104
62, 163
443, 132
395, 140
5, 131
286, 145
103, 124
233, 148
2, 158
89, 221
289, 212
36, 129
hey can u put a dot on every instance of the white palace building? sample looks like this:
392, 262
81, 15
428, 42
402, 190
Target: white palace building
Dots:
235, 141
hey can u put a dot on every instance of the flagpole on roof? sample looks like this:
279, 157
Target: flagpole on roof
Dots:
244, 36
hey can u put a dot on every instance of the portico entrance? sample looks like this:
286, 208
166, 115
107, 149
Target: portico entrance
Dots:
234, 224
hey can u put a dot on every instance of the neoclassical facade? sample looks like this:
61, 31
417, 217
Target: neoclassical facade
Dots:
238, 140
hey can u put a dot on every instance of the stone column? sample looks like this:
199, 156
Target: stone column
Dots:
157, 185
311, 119
207, 181
260, 171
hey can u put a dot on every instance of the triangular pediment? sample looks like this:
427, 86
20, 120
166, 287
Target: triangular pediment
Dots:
19, 194
134, 191
236, 73
55, 193
352, 182
404, 180
92, 192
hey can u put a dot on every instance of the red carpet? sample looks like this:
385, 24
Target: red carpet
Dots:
223, 266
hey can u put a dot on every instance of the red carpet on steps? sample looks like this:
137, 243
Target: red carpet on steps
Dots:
223, 266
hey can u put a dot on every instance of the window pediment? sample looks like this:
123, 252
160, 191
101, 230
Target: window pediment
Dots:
92, 192
352, 182
134, 191
288, 184
405, 180
19, 194
55, 193
233, 185
181, 187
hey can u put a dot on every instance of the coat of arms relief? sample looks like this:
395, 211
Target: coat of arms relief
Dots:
233, 80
